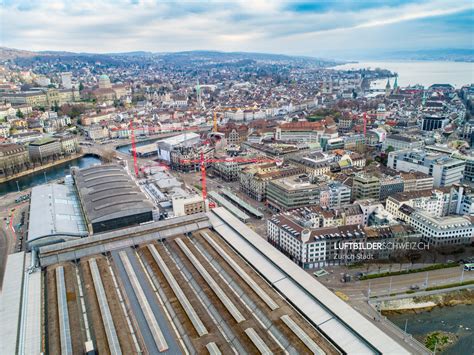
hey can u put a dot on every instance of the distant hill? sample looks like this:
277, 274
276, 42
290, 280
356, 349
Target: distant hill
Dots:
11, 53
201, 55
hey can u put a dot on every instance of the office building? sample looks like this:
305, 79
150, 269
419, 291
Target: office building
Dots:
292, 192
443, 231
400, 142
254, 179
444, 169
43, 149
365, 186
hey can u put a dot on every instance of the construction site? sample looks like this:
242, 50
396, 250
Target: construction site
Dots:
187, 294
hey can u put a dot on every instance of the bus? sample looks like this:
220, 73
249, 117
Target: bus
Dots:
469, 267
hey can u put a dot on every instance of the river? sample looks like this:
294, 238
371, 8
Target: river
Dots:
425, 73
456, 319
125, 148
52, 173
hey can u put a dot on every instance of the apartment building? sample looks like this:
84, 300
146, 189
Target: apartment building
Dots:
437, 202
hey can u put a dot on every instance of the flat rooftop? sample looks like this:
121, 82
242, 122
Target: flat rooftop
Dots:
181, 138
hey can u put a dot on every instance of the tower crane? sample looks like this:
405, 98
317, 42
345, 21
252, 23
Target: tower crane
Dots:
134, 149
202, 162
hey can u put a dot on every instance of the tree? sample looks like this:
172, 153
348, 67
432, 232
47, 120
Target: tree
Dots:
19, 114
81, 86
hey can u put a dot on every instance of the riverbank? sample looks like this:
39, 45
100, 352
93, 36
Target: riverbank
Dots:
41, 168
49, 173
450, 329
418, 304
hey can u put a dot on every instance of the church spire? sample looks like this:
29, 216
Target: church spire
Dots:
387, 88
395, 84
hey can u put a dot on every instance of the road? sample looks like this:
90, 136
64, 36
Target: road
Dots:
359, 290
9, 219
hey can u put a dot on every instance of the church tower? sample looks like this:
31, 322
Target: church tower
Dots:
395, 84
388, 88
198, 94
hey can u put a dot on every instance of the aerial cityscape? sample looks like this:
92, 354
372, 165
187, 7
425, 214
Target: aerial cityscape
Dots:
247, 177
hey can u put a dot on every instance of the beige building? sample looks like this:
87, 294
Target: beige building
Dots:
416, 181
255, 178
69, 144
90, 119
186, 205
44, 148
13, 159
365, 186
42, 98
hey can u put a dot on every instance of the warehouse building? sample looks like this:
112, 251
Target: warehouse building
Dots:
110, 199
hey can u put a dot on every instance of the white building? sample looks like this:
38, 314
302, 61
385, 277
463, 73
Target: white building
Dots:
96, 132
443, 231
399, 142
437, 203
66, 80
445, 170
165, 146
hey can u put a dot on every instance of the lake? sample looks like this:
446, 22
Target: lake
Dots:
425, 73
457, 319
52, 173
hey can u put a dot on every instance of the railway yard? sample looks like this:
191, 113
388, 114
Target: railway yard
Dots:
186, 294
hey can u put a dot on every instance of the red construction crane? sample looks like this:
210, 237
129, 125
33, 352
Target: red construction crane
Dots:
365, 124
202, 162
134, 149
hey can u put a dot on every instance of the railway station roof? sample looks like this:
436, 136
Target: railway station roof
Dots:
108, 192
55, 215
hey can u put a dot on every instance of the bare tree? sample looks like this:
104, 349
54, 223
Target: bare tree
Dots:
108, 156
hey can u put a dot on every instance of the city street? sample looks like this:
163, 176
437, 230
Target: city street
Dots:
9, 219
359, 290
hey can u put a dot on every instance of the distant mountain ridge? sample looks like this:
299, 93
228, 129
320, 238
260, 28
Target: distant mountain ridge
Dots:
453, 54
11, 54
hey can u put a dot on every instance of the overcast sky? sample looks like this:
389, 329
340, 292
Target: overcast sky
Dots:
329, 28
